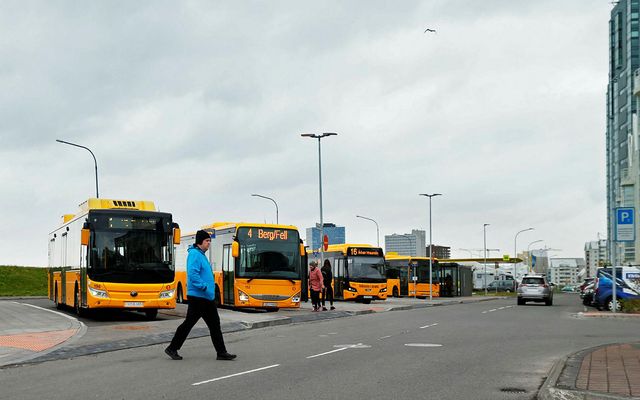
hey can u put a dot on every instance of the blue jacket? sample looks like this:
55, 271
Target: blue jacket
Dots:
200, 282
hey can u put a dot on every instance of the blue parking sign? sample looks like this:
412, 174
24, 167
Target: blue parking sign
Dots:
625, 224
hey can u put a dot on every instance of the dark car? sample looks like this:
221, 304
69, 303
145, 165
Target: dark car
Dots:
587, 294
501, 286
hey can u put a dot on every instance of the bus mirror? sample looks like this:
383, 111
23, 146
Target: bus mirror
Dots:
235, 249
176, 236
84, 237
302, 250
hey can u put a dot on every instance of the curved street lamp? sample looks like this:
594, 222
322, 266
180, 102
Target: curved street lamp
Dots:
268, 198
377, 228
319, 137
95, 163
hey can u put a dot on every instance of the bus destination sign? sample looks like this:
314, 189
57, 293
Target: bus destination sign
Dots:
269, 234
365, 251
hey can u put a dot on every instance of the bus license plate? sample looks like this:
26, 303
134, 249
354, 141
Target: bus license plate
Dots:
133, 304
269, 304
366, 297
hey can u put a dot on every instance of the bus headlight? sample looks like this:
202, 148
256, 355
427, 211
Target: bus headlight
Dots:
167, 294
296, 298
383, 290
350, 289
243, 296
98, 293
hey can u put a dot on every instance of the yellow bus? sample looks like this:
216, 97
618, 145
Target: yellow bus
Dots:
358, 271
113, 254
254, 265
409, 276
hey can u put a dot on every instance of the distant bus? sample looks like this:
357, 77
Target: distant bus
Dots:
255, 265
114, 254
409, 276
358, 271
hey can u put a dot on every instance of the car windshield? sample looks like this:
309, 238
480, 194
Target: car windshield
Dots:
269, 253
532, 281
366, 269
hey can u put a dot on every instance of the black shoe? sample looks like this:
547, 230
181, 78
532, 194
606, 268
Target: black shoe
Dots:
225, 356
173, 354
333, 308
324, 308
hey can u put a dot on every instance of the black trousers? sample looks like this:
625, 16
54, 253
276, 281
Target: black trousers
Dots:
327, 294
315, 298
207, 310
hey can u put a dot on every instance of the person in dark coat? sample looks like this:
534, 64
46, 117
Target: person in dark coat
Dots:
327, 280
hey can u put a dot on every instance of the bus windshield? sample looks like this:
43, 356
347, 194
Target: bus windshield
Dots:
268, 253
128, 249
366, 269
423, 271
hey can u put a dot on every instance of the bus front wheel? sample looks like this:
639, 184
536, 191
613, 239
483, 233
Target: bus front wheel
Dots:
179, 295
151, 313
80, 312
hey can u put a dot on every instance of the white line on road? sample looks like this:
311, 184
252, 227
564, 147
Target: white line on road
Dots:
492, 310
484, 312
328, 352
385, 337
428, 326
423, 345
51, 311
238, 374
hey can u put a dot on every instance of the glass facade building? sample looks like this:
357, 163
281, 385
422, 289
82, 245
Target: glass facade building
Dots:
336, 235
621, 131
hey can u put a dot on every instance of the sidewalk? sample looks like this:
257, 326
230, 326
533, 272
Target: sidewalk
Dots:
33, 334
604, 372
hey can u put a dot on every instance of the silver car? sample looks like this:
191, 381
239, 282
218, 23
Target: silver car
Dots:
535, 288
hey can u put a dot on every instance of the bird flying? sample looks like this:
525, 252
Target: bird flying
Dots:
429, 30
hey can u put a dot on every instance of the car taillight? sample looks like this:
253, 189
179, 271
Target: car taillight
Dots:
545, 285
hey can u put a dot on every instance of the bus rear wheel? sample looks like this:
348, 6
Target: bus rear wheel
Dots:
56, 298
395, 292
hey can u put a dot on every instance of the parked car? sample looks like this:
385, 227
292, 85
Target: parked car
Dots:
535, 288
501, 286
587, 294
587, 282
627, 286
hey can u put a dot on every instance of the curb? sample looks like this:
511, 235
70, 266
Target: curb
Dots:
549, 391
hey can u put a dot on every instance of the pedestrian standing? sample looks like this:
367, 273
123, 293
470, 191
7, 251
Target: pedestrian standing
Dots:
315, 284
327, 280
201, 293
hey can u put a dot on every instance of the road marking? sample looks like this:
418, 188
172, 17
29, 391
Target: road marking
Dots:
428, 326
332, 333
423, 345
328, 352
492, 310
353, 346
385, 337
501, 308
484, 312
51, 311
323, 335
238, 374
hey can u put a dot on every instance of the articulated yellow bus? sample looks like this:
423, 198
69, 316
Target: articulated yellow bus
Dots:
409, 276
114, 254
358, 271
254, 265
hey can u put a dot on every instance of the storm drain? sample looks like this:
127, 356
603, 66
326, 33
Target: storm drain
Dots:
513, 390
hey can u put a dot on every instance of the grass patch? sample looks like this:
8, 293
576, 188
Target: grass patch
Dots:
23, 281
630, 306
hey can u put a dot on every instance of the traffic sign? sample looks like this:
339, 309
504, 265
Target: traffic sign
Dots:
325, 242
625, 224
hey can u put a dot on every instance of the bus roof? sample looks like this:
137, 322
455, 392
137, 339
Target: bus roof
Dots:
344, 246
408, 258
511, 260
109, 204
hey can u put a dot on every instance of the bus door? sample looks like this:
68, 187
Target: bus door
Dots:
405, 281
228, 276
338, 277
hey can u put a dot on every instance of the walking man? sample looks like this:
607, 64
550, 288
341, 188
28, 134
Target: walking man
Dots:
201, 293
315, 284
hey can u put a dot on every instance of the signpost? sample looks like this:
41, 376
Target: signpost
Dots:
625, 232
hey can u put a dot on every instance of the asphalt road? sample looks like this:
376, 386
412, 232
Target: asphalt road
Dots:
472, 351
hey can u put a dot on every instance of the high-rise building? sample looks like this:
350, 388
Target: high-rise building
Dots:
408, 244
564, 271
336, 235
595, 255
621, 135
440, 252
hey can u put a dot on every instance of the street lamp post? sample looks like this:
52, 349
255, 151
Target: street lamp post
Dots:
515, 249
430, 244
319, 137
95, 163
377, 228
484, 235
529, 254
268, 198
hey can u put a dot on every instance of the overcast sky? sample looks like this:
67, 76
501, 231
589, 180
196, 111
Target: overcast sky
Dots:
196, 105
